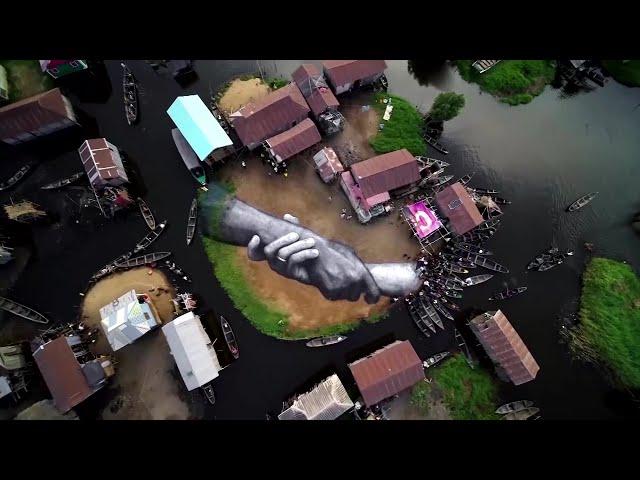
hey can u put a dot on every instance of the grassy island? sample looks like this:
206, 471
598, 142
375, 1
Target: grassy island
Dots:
609, 328
512, 81
626, 72
468, 394
263, 316
402, 130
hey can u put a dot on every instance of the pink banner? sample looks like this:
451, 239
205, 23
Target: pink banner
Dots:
424, 220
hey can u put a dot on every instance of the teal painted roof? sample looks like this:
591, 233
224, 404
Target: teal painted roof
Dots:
198, 125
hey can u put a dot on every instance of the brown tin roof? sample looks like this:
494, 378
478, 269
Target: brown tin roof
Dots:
62, 374
98, 160
386, 172
287, 144
342, 72
270, 115
314, 88
387, 371
456, 204
505, 347
33, 113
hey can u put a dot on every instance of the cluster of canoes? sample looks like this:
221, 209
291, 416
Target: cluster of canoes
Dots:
548, 259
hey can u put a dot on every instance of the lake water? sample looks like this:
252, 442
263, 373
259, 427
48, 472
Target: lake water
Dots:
542, 156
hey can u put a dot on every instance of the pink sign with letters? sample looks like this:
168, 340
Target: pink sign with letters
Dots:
424, 220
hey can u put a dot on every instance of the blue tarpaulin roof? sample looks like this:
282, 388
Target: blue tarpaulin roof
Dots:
198, 125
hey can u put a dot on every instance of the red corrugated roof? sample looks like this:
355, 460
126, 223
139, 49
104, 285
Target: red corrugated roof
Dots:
32, 113
386, 172
387, 371
304, 72
456, 204
294, 140
505, 347
342, 72
62, 374
319, 98
273, 114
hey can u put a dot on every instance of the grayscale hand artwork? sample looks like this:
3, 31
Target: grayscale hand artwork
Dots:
296, 252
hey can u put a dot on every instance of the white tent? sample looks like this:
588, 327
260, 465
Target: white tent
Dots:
192, 350
126, 319
326, 401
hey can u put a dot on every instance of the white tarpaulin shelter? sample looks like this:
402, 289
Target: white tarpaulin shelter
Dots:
198, 125
327, 401
192, 350
126, 319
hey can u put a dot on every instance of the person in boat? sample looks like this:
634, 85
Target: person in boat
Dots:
296, 252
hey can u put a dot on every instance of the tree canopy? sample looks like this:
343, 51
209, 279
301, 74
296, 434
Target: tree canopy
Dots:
446, 106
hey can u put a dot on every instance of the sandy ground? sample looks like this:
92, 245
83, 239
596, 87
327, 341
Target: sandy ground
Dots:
304, 195
146, 384
401, 409
241, 92
352, 144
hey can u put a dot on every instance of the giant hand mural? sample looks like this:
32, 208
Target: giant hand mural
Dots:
299, 253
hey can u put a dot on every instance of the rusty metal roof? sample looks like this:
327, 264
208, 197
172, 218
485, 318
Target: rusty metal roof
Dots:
101, 159
62, 374
456, 204
312, 85
387, 371
275, 113
505, 347
293, 141
386, 172
342, 72
33, 113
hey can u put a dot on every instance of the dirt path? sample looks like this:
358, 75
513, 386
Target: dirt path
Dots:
241, 92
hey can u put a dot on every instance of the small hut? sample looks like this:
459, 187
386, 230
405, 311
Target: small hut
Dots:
505, 347
102, 162
128, 318
60, 68
388, 371
346, 75
285, 145
328, 164
35, 117
326, 401
200, 128
192, 350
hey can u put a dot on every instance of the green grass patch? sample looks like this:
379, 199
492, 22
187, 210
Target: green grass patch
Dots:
275, 83
514, 82
26, 79
403, 130
469, 394
626, 72
377, 316
265, 318
610, 318
420, 396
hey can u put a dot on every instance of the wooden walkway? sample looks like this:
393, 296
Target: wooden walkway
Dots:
484, 65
